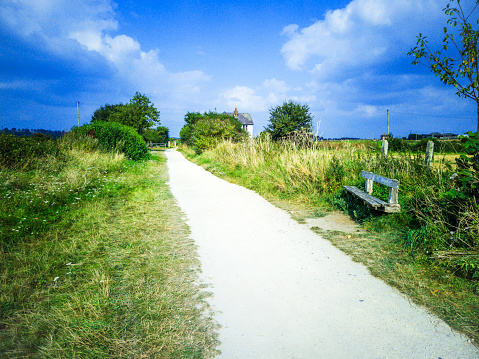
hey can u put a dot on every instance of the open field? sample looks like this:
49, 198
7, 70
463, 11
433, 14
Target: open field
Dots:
96, 263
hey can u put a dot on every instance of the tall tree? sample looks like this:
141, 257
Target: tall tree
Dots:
104, 112
462, 72
140, 113
287, 118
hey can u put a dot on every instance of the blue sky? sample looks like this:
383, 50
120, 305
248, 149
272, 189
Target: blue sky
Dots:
345, 59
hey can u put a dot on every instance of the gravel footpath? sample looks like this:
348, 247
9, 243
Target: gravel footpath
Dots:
282, 291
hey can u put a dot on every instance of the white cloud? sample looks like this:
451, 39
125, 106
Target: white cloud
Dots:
271, 93
52, 20
276, 86
243, 98
369, 110
362, 34
69, 27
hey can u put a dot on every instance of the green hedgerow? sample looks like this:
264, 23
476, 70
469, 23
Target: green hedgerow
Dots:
113, 136
26, 152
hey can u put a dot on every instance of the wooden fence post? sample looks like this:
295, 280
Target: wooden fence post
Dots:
384, 148
429, 153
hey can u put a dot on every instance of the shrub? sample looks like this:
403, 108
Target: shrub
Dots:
204, 132
25, 152
113, 136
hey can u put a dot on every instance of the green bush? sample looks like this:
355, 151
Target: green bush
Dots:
26, 152
113, 136
186, 133
204, 132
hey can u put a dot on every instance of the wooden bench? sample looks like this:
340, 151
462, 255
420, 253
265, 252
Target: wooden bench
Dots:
390, 206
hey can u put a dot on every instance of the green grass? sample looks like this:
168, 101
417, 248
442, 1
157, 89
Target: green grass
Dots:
96, 262
400, 248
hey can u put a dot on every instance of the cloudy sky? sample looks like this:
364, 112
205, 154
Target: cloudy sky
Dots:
346, 59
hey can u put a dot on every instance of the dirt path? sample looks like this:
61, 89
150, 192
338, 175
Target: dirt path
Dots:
281, 291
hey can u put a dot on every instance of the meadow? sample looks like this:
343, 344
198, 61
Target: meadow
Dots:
429, 251
95, 259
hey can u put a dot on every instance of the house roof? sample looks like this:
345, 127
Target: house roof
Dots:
244, 118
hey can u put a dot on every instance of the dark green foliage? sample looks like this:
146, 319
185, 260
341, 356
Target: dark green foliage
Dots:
116, 137
156, 135
412, 146
414, 137
140, 113
288, 118
186, 133
164, 134
104, 112
204, 132
468, 169
26, 152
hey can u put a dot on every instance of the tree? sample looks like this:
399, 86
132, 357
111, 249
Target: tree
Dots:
461, 72
163, 133
104, 112
156, 135
288, 118
140, 113
186, 133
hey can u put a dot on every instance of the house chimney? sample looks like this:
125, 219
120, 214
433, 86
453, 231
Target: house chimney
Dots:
236, 112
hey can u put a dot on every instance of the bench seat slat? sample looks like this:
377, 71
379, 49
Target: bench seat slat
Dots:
371, 200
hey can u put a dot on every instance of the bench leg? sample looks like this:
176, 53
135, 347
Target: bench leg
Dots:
393, 196
369, 186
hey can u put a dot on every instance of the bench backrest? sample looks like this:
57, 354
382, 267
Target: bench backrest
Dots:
393, 183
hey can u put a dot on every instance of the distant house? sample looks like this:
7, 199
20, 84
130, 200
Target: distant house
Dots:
245, 119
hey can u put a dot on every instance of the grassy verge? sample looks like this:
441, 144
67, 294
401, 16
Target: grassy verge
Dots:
96, 263
398, 248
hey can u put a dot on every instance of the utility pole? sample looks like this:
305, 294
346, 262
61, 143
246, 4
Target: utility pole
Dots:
388, 122
78, 110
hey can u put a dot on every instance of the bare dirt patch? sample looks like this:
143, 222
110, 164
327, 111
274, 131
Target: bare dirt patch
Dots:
335, 221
